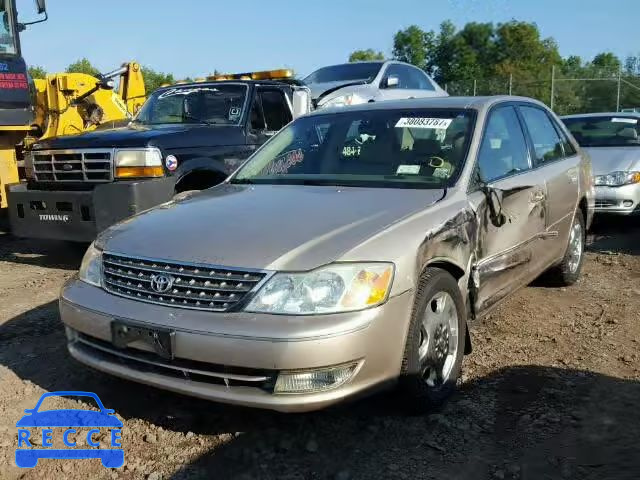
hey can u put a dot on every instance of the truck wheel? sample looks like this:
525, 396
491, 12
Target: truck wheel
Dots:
568, 271
435, 343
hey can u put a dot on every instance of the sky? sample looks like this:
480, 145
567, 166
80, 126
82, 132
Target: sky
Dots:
194, 37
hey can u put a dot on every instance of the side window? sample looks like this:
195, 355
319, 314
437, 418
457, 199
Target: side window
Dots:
401, 72
418, 79
276, 110
546, 141
257, 117
503, 150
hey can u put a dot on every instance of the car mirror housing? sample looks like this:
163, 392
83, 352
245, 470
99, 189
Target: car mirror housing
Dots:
392, 81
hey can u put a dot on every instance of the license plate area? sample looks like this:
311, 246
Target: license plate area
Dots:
161, 340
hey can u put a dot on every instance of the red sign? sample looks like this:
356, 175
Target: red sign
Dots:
13, 81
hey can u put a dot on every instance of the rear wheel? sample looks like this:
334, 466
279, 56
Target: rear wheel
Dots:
435, 342
568, 271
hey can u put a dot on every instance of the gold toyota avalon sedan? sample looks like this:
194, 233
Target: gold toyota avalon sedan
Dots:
348, 254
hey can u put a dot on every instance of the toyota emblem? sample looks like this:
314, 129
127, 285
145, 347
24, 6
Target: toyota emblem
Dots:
161, 283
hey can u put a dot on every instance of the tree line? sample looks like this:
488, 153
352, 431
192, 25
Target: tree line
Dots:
488, 59
152, 78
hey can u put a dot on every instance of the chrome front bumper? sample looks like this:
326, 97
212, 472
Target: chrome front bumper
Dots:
623, 200
236, 357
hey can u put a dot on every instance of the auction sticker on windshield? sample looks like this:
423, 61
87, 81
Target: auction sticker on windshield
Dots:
423, 122
624, 120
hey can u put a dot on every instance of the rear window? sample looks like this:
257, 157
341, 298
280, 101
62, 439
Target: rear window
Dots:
605, 131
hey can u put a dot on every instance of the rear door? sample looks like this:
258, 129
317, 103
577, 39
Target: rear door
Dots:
558, 163
508, 255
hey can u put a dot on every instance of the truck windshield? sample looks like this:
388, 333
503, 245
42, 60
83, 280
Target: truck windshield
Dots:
219, 104
423, 148
605, 131
349, 72
7, 29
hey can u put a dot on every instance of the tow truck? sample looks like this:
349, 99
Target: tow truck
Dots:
187, 136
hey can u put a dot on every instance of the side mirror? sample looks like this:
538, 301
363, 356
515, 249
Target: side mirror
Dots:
41, 6
392, 81
301, 101
494, 202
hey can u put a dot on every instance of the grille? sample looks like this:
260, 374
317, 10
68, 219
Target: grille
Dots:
605, 203
73, 166
200, 287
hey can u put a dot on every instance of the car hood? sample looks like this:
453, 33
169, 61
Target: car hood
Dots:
69, 418
275, 227
612, 159
317, 89
164, 136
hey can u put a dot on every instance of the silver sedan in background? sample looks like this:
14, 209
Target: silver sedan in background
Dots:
613, 142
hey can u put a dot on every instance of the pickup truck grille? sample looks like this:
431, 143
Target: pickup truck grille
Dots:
200, 287
91, 165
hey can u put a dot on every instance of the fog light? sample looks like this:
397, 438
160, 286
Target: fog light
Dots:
314, 380
627, 203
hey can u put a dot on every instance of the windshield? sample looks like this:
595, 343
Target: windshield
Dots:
423, 148
605, 131
7, 35
219, 104
349, 72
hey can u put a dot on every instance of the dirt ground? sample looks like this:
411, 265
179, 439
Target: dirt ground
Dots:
551, 391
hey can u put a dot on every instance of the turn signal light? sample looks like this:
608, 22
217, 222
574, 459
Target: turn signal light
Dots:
136, 172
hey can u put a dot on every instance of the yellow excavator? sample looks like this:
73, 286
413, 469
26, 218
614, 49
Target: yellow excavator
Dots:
72, 103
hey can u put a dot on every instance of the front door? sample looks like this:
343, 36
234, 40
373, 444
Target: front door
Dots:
508, 254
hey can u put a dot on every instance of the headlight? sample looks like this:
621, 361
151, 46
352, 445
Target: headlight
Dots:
91, 267
341, 287
141, 162
617, 179
344, 100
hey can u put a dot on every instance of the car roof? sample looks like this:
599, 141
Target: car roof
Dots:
471, 103
603, 114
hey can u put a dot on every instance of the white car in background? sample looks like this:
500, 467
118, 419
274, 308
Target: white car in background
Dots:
363, 82
612, 140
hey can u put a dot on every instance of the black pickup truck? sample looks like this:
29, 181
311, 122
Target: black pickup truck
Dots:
185, 137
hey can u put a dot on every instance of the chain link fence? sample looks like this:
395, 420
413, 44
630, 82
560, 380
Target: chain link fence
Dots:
608, 92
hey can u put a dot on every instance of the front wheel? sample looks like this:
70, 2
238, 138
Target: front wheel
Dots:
435, 342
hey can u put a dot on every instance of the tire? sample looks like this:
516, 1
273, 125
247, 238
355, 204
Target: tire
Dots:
424, 383
568, 270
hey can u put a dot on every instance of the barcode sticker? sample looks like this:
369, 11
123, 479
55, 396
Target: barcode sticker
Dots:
423, 122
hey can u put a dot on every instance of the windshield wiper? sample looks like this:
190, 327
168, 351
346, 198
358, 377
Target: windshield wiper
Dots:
197, 119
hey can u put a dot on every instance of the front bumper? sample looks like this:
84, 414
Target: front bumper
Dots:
623, 200
81, 215
225, 356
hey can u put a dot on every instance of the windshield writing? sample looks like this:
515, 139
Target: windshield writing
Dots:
208, 104
398, 149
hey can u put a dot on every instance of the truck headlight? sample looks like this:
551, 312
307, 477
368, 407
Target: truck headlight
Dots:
91, 266
617, 179
341, 287
138, 162
344, 100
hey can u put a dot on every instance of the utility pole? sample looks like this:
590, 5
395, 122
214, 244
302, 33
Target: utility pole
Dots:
619, 88
553, 84
511, 84
475, 85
